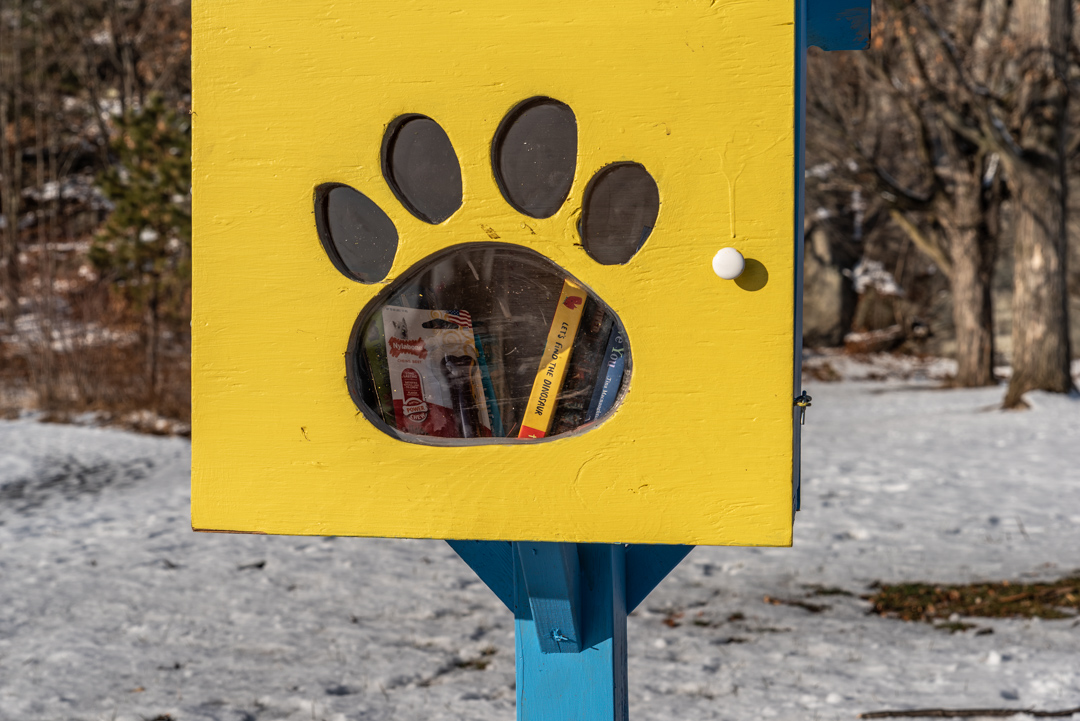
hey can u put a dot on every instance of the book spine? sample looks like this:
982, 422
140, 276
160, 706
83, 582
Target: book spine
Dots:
586, 363
489, 388
554, 362
607, 388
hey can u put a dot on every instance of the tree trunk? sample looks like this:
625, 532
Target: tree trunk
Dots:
974, 250
1040, 312
152, 344
45, 301
11, 164
1041, 353
973, 316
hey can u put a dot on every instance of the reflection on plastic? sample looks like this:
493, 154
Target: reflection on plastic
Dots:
487, 343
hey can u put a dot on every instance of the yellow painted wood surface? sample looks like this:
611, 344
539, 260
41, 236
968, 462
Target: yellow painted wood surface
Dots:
289, 95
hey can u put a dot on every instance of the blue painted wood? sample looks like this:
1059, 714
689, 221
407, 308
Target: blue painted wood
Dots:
493, 562
552, 579
590, 685
646, 567
800, 240
838, 24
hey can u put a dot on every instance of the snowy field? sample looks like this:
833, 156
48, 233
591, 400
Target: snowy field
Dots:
112, 609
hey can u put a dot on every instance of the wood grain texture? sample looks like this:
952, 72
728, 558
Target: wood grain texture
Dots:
292, 95
646, 567
591, 684
553, 582
493, 562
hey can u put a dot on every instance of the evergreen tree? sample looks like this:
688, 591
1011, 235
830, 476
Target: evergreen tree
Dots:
144, 248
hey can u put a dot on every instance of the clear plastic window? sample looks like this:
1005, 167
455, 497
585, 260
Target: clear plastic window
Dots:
487, 343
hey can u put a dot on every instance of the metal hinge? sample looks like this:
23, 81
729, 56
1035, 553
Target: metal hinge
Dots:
803, 402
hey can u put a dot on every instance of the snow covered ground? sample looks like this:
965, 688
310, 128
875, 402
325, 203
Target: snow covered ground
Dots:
111, 608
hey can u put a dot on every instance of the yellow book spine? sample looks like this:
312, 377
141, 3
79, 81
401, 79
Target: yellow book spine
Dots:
554, 363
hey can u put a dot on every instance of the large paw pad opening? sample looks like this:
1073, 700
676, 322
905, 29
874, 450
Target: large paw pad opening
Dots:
486, 341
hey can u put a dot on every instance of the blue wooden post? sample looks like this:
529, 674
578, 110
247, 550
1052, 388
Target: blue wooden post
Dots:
589, 684
547, 591
570, 603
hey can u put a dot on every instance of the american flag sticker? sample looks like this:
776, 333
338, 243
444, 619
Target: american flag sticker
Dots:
459, 317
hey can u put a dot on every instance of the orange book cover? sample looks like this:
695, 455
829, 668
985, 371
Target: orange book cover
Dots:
554, 362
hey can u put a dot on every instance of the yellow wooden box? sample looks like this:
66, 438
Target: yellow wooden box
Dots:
290, 95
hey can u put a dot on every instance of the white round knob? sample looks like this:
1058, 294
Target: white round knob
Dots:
728, 263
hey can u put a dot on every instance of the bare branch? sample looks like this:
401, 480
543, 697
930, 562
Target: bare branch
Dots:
929, 245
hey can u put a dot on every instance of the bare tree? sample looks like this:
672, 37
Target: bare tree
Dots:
884, 112
958, 91
1037, 171
69, 69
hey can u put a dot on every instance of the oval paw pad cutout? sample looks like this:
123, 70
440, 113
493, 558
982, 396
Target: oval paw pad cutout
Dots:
421, 167
619, 212
534, 156
487, 342
356, 234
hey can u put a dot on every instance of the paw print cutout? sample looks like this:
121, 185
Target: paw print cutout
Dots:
487, 341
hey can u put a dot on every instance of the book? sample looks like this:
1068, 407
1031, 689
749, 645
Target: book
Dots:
607, 387
489, 388
554, 362
586, 362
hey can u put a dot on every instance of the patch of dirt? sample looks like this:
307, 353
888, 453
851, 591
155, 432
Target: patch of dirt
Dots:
1005, 599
